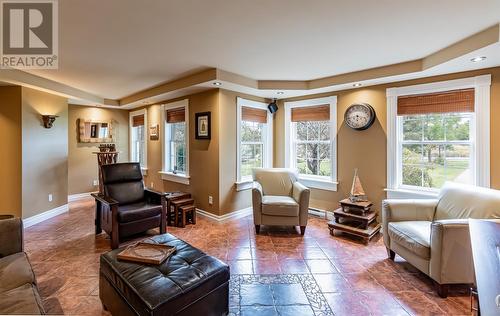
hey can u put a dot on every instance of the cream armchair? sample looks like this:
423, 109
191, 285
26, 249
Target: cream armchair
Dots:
279, 199
433, 235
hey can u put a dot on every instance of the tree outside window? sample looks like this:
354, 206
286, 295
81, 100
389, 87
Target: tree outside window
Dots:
312, 147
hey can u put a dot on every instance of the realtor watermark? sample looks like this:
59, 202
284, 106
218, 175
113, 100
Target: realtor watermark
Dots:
29, 34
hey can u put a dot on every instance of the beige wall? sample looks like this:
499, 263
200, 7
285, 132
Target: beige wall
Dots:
203, 154
366, 150
231, 200
82, 163
45, 152
11, 155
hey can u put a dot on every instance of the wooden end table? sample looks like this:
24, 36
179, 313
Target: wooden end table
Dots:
364, 226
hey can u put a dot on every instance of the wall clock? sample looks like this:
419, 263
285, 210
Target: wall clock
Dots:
359, 116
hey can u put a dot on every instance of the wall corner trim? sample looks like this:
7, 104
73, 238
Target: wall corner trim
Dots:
33, 220
233, 215
79, 196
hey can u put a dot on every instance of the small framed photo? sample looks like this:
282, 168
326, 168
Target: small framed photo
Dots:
154, 133
202, 125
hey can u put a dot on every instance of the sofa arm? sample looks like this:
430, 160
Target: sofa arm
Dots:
257, 203
406, 210
451, 253
301, 195
11, 236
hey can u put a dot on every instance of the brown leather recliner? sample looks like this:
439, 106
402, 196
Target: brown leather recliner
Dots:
126, 207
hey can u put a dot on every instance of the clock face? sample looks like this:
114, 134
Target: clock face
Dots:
359, 116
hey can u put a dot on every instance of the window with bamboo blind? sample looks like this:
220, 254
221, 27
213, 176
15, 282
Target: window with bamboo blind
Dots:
311, 113
176, 115
250, 114
254, 140
456, 101
310, 142
138, 139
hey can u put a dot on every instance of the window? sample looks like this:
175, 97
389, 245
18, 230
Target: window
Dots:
437, 132
310, 133
254, 140
138, 137
176, 142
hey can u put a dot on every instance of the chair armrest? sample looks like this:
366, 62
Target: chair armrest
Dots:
151, 191
451, 253
406, 210
153, 196
257, 203
11, 236
109, 201
300, 194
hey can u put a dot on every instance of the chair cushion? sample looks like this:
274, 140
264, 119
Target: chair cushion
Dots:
23, 300
275, 181
137, 211
277, 205
412, 235
15, 270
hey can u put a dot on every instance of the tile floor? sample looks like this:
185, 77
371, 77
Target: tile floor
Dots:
354, 279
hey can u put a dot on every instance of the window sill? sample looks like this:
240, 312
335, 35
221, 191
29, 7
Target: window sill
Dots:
316, 183
244, 185
411, 194
175, 177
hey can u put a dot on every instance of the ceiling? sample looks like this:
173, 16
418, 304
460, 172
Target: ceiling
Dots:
114, 48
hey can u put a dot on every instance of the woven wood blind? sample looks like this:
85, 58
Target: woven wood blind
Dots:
176, 115
441, 102
138, 120
311, 113
253, 115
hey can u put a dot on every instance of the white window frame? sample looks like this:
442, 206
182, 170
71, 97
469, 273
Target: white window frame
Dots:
165, 136
313, 181
144, 112
247, 182
480, 136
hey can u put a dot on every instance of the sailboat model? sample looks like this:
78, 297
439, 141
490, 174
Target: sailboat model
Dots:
357, 192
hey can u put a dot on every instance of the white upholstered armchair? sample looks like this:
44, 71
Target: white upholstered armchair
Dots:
279, 199
433, 235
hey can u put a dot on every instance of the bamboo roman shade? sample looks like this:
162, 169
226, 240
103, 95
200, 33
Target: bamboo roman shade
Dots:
441, 102
253, 115
176, 115
311, 113
138, 120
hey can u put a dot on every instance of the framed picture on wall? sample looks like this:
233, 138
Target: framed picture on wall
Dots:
154, 132
202, 125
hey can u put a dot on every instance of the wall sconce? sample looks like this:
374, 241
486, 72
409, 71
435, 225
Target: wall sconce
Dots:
48, 120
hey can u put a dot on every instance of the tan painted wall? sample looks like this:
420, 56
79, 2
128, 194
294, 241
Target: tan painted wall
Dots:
82, 164
203, 154
366, 150
45, 152
231, 200
11, 154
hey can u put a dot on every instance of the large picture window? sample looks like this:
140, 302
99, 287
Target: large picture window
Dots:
310, 130
437, 132
176, 142
138, 137
254, 139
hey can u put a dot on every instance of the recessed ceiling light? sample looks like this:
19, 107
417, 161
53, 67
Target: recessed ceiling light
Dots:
478, 59
280, 92
217, 83
357, 85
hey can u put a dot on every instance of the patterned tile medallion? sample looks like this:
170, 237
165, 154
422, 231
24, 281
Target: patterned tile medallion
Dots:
276, 294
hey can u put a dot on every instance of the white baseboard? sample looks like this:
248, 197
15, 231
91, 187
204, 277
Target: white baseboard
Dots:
30, 221
233, 215
79, 196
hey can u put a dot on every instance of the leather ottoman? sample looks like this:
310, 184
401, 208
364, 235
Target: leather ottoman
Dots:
190, 282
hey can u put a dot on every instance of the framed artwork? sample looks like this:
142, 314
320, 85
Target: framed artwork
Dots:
154, 132
202, 125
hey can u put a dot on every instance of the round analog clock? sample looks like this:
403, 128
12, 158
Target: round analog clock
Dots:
359, 116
